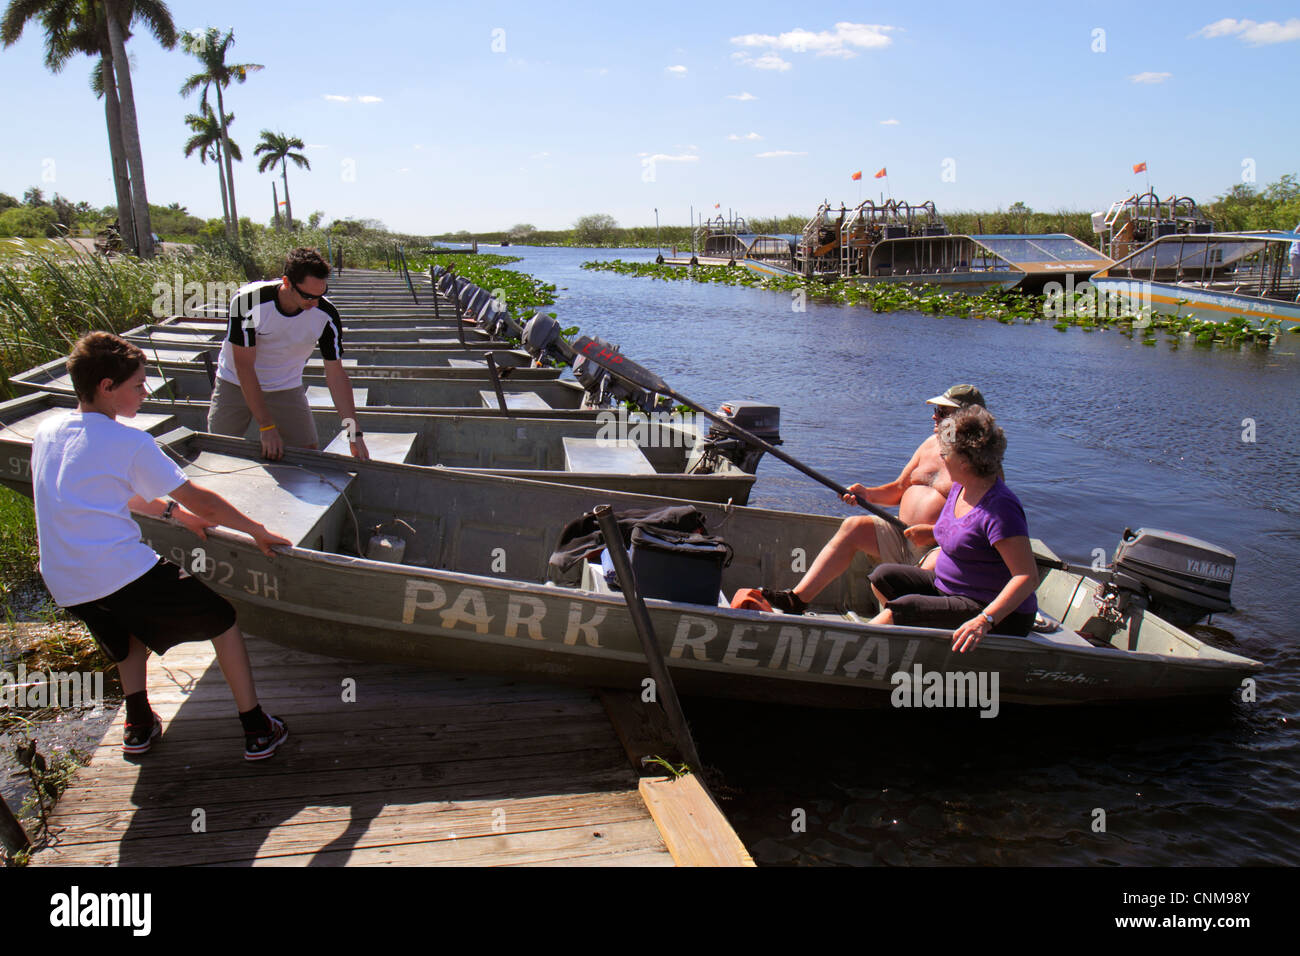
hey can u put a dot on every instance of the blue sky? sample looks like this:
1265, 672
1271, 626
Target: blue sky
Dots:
436, 117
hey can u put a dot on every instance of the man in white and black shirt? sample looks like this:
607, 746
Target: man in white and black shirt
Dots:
274, 328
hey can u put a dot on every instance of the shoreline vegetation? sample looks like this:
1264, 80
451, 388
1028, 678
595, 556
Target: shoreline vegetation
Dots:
1083, 310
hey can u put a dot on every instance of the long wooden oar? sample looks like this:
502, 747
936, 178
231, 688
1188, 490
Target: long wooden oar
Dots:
625, 368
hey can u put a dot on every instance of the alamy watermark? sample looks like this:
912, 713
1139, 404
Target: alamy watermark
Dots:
922, 688
1118, 300
191, 298
653, 430
38, 690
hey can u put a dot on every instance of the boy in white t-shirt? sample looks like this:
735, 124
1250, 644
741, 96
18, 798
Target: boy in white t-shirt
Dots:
88, 472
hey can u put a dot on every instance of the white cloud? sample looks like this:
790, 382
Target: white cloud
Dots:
335, 98
541, 155
405, 169
665, 158
889, 122
775, 153
678, 69
743, 97
1150, 77
838, 42
768, 61
370, 99
1251, 31
418, 146
733, 136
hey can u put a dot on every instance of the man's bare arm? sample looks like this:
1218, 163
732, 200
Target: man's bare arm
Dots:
340, 386
891, 493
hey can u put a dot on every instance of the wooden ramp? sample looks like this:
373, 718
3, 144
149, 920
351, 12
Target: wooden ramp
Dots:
422, 769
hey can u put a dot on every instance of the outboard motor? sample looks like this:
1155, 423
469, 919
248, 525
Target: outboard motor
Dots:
1181, 579
760, 420
541, 338
593, 379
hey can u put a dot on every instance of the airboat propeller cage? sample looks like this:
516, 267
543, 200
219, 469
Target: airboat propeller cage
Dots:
1185, 578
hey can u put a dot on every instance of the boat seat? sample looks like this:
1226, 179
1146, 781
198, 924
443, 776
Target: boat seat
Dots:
24, 429
514, 400
318, 396
605, 456
396, 447
153, 385
305, 505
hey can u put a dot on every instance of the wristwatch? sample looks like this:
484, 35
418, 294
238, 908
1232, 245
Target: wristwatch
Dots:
167, 512
987, 616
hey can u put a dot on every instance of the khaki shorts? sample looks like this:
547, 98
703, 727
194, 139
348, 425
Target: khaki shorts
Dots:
229, 414
894, 548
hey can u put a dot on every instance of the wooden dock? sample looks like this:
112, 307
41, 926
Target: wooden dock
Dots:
401, 767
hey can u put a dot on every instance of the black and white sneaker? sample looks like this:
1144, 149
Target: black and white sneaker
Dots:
140, 737
261, 746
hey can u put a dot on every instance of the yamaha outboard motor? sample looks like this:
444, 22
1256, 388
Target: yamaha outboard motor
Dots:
1181, 579
1178, 578
762, 421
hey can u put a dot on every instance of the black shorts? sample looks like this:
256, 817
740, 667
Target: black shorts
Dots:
160, 608
914, 600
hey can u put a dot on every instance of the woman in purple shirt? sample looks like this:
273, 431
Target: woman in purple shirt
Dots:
985, 577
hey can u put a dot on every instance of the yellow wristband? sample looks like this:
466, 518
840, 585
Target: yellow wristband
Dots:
266, 428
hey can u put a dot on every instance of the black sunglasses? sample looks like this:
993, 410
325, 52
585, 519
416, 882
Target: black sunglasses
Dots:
306, 295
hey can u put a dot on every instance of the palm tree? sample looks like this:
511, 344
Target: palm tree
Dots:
72, 28
210, 48
280, 149
120, 15
81, 26
207, 141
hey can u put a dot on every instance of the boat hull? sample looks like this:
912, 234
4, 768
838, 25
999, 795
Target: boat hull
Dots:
469, 596
1203, 304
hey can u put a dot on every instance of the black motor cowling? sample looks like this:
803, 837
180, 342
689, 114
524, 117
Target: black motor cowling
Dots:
1182, 578
759, 419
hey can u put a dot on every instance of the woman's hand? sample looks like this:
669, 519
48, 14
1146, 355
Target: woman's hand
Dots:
969, 634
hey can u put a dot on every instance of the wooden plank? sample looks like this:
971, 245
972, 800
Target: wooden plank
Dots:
539, 847
557, 771
369, 825
408, 803
642, 729
694, 829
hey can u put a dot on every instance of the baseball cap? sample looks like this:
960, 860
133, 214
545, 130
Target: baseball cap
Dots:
959, 396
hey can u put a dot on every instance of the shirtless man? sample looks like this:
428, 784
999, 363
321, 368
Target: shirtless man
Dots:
920, 492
